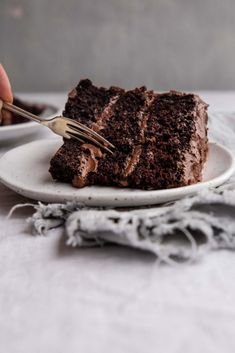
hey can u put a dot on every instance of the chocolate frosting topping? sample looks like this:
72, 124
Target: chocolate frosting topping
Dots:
88, 164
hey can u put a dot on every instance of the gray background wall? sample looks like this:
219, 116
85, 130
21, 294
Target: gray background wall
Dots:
183, 44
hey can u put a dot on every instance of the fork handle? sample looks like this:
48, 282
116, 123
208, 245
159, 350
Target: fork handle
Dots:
14, 109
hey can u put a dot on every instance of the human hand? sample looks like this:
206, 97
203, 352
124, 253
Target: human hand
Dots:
5, 86
5, 95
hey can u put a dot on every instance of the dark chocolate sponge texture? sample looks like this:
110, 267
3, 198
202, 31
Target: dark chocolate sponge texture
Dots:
160, 139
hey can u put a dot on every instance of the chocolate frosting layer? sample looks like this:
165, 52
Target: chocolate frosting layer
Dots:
88, 164
195, 157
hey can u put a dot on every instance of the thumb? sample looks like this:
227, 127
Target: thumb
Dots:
5, 86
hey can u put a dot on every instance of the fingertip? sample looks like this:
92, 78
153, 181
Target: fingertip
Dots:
5, 86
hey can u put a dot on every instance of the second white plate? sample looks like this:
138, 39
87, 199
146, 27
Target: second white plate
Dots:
14, 132
25, 170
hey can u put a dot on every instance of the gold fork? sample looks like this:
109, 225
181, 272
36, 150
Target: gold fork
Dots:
65, 127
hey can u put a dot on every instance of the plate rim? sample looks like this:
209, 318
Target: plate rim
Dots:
15, 127
136, 194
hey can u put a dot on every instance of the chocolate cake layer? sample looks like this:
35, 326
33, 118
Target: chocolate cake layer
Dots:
160, 139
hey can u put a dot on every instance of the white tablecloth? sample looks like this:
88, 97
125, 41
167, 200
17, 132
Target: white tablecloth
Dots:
57, 299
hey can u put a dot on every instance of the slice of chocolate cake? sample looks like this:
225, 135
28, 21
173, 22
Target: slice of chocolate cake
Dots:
160, 139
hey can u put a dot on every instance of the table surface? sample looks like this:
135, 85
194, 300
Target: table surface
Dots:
112, 299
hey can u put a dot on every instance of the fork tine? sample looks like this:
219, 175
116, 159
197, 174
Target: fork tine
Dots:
78, 134
78, 126
75, 137
91, 133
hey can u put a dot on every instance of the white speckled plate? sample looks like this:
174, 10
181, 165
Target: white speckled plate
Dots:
17, 131
25, 170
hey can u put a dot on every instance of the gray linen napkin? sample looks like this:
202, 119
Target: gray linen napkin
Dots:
180, 231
